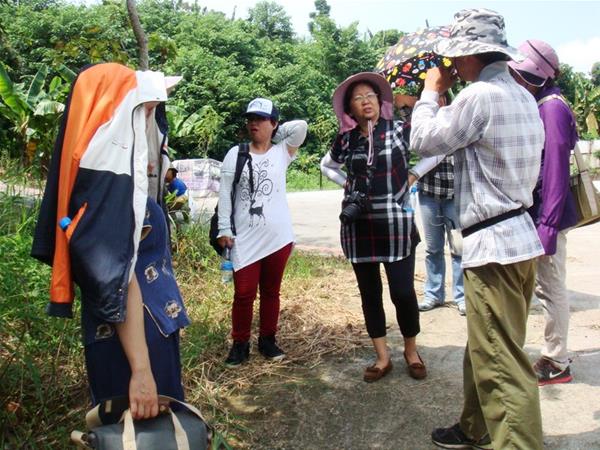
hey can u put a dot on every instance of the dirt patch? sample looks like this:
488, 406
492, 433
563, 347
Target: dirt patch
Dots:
324, 404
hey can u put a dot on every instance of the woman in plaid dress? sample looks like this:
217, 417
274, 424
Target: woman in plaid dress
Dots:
377, 220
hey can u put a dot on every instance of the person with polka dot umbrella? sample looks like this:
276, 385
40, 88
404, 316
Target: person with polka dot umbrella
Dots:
406, 63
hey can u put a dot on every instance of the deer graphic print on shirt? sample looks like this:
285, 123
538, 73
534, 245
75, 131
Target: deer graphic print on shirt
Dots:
262, 217
263, 187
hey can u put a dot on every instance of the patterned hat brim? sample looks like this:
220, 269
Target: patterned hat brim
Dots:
452, 48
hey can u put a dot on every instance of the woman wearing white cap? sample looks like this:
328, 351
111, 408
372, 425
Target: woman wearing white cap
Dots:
263, 237
553, 209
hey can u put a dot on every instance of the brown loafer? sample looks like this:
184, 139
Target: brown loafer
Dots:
418, 371
373, 373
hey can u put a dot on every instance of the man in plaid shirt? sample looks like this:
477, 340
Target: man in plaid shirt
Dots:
494, 131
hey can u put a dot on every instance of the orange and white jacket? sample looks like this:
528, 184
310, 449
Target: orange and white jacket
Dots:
105, 154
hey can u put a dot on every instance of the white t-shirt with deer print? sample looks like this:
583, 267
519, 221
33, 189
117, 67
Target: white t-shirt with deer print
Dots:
263, 223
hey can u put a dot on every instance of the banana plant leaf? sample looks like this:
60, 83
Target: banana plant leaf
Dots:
36, 87
10, 96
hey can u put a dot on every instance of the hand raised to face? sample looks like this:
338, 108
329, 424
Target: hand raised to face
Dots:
440, 79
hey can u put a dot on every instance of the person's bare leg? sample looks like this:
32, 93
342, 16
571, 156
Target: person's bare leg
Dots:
382, 351
410, 350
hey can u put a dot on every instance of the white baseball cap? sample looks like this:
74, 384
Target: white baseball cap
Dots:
262, 107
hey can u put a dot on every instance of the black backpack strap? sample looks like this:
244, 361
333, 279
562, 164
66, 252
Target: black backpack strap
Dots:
243, 157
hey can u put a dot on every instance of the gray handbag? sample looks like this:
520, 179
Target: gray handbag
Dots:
181, 429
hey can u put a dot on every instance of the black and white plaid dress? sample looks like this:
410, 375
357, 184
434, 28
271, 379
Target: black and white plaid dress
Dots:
385, 233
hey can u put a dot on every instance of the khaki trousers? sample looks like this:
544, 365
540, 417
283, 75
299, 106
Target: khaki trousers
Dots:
551, 290
500, 386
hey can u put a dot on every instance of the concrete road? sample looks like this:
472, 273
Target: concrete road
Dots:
571, 412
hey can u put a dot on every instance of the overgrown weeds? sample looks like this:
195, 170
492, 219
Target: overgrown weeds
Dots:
42, 383
43, 391
312, 325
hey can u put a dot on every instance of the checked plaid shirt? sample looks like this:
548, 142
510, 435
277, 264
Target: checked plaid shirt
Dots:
439, 183
385, 233
494, 130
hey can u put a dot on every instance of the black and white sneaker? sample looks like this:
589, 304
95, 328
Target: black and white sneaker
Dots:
549, 373
454, 437
239, 353
269, 349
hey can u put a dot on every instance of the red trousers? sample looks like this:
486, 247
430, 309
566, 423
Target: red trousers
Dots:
266, 274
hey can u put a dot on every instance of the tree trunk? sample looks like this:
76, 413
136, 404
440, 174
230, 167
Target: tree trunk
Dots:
140, 36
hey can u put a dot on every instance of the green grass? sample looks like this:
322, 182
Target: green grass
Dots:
41, 365
15, 175
43, 389
298, 180
304, 265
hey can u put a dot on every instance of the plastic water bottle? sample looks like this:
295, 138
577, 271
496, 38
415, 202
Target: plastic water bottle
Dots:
226, 266
412, 200
413, 197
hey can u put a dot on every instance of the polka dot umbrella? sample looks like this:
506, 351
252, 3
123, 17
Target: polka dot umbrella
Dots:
406, 63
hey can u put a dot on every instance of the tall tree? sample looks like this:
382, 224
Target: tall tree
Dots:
140, 36
596, 74
322, 11
271, 20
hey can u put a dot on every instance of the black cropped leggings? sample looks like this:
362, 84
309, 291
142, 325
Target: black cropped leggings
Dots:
400, 275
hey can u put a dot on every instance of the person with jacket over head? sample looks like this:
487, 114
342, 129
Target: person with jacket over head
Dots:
102, 225
377, 219
553, 209
263, 238
495, 133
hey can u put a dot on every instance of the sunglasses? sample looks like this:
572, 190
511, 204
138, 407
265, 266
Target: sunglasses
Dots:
256, 118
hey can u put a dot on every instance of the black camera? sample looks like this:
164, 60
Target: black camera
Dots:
356, 202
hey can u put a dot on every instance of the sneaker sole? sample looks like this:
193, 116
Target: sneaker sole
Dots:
233, 366
463, 446
555, 381
274, 358
429, 308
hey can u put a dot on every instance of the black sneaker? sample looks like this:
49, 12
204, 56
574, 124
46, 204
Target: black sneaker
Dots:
269, 349
239, 353
454, 437
548, 373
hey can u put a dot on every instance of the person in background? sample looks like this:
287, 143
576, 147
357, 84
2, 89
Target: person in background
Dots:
264, 237
553, 209
377, 220
177, 203
495, 133
438, 215
101, 224
175, 185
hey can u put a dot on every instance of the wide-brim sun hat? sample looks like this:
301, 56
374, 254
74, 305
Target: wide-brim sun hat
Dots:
386, 101
541, 62
476, 31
